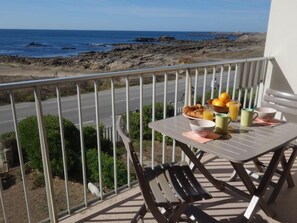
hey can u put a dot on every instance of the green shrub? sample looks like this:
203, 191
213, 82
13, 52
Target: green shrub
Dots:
31, 145
107, 169
147, 118
90, 139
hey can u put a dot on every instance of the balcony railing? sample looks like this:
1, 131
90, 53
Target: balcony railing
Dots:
126, 91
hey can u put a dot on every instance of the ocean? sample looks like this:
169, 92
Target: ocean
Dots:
65, 43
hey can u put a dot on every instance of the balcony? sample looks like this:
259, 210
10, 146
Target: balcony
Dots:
84, 102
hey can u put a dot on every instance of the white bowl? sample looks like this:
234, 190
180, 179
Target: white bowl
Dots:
265, 113
202, 127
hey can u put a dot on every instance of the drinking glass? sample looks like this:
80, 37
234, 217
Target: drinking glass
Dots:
233, 110
207, 113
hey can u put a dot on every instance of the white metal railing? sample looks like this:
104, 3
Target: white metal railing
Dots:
243, 79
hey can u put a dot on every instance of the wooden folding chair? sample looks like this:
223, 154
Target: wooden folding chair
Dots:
169, 190
287, 104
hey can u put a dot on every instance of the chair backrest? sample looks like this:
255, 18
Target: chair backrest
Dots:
128, 146
283, 102
143, 181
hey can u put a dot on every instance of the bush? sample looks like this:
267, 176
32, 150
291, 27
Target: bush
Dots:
107, 169
90, 139
147, 118
31, 145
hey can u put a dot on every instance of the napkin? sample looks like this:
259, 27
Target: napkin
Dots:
195, 136
271, 122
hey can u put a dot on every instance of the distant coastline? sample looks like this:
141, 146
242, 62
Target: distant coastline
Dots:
65, 43
131, 55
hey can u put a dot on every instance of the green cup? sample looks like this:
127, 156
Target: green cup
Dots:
247, 117
222, 122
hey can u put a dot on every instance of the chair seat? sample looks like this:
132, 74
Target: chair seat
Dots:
174, 183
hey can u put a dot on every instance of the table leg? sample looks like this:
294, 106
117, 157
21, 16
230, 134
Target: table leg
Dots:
259, 192
218, 184
285, 175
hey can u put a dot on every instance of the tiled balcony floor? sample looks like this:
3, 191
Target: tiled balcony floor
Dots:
225, 206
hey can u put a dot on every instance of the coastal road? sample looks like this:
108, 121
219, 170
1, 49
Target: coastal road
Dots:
69, 104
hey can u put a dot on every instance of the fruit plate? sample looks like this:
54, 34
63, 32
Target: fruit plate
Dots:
190, 117
194, 118
217, 108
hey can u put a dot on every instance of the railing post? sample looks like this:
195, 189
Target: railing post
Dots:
112, 89
82, 144
188, 88
63, 147
45, 158
98, 138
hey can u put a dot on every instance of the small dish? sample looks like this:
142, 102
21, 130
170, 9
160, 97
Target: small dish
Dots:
202, 127
265, 113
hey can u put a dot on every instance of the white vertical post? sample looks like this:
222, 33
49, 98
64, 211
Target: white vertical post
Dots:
2, 202
175, 112
235, 80
20, 153
164, 114
221, 80
98, 138
153, 118
196, 86
204, 86
82, 144
64, 155
141, 118
228, 78
213, 82
45, 158
188, 89
113, 136
128, 127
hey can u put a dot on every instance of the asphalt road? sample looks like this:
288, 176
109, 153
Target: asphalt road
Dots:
70, 107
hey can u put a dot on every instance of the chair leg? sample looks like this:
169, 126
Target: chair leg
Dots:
177, 212
140, 214
198, 214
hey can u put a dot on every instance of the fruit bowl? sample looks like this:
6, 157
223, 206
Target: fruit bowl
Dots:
218, 109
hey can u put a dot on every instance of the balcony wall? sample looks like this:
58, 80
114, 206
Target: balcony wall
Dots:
282, 45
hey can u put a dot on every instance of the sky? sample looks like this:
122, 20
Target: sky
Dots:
138, 15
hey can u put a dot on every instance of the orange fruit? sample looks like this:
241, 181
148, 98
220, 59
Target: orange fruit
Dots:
214, 101
224, 97
219, 103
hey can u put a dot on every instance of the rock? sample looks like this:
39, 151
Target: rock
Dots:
33, 44
166, 38
145, 39
122, 48
120, 65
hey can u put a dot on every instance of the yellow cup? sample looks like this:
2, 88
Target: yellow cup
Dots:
222, 122
233, 110
247, 117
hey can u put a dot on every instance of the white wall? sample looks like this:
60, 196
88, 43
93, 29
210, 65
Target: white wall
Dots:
281, 43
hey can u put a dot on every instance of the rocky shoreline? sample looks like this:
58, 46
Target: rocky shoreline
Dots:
136, 55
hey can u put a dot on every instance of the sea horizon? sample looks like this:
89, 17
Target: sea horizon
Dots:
64, 43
